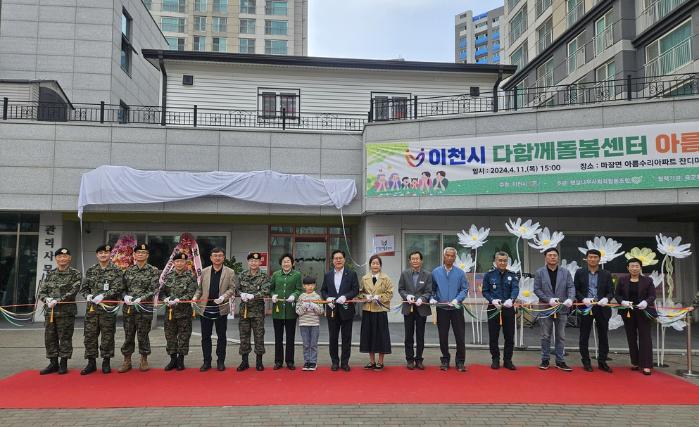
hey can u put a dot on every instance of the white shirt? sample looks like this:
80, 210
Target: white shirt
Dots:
338, 280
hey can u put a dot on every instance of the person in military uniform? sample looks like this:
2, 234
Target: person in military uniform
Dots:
180, 285
58, 290
254, 287
140, 284
501, 288
104, 281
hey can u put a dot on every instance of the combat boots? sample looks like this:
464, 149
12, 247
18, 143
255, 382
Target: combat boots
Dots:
243, 364
258, 363
173, 363
126, 366
90, 367
180, 362
53, 367
143, 367
63, 366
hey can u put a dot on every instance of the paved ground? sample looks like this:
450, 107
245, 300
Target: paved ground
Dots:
22, 348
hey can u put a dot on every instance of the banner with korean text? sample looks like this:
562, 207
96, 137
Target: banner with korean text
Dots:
616, 158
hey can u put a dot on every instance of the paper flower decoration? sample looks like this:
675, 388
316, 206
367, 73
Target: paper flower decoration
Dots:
475, 238
646, 255
616, 321
545, 239
607, 247
526, 291
656, 277
525, 230
572, 267
671, 247
466, 263
514, 267
667, 316
122, 253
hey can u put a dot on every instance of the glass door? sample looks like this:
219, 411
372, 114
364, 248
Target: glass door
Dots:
311, 256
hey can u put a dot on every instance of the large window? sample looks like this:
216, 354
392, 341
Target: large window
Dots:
276, 47
274, 103
544, 74
247, 26
518, 24
390, 106
175, 43
276, 28
199, 43
604, 33
19, 243
220, 6
174, 6
605, 75
247, 6
576, 53
576, 9
200, 5
542, 6
670, 52
544, 35
247, 46
519, 56
276, 7
219, 24
126, 47
219, 44
172, 24
200, 23
310, 247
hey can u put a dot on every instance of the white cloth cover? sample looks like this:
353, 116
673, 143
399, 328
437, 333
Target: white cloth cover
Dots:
124, 185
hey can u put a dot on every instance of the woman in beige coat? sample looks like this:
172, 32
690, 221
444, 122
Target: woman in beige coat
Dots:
376, 288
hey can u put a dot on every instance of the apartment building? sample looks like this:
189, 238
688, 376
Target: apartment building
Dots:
477, 38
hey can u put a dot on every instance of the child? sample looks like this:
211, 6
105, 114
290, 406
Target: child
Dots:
309, 322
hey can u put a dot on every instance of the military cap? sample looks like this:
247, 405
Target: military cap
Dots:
62, 251
254, 255
141, 247
101, 248
180, 255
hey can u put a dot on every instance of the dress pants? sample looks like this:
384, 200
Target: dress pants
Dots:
207, 325
414, 325
455, 319
547, 325
282, 326
508, 332
601, 321
638, 336
337, 327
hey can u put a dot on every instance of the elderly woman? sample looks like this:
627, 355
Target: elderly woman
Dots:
286, 288
376, 288
636, 294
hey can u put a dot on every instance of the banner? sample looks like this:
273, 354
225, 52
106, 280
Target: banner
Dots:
384, 245
618, 158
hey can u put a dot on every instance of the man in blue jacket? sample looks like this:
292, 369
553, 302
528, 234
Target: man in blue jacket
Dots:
449, 286
501, 288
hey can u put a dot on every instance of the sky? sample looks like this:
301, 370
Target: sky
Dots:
415, 30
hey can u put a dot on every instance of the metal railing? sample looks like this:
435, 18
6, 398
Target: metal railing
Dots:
603, 40
657, 11
670, 61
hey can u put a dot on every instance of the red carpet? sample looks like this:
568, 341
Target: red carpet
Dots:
29, 390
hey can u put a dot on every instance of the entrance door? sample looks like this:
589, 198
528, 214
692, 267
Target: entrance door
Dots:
18, 270
311, 253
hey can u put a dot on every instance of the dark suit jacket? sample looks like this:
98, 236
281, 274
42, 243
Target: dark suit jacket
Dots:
604, 287
646, 291
422, 290
349, 287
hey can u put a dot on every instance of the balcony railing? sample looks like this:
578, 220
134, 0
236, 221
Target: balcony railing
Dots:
670, 61
576, 13
657, 11
603, 40
576, 59
544, 42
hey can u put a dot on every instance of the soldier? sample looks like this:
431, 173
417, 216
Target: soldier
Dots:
141, 281
104, 281
61, 285
180, 284
254, 287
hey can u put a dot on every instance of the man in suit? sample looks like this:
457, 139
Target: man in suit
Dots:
415, 287
217, 286
593, 284
553, 285
501, 288
339, 286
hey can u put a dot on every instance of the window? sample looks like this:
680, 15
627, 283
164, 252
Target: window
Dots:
220, 6
276, 7
542, 6
544, 35
149, 4
247, 26
604, 35
390, 106
606, 72
276, 47
200, 5
670, 52
126, 48
276, 28
199, 43
518, 24
200, 23
175, 43
174, 6
273, 103
171, 24
576, 9
519, 56
123, 114
220, 44
511, 4
219, 24
310, 247
544, 74
247, 6
605, 75
247, 46
463, 43
576, 53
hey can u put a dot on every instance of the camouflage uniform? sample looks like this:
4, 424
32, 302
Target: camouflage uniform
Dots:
178, 318
252, 313
58, 334
108, 281
139, 283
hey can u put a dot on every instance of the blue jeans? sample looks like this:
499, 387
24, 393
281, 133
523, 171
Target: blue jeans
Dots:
309, 335
547, 324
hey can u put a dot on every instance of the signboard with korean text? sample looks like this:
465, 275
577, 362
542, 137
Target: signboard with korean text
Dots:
617, 158
384, 245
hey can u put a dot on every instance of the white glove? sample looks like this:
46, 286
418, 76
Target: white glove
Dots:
377, 298
568, 303
410, 298
587, 302
274, 299
51, 302
89, 298
166, 300
433, 301
508, 303
171, 302
218, 300
454, 302
341, 299
496, 303
137, 300
291, 298
249, 297
603, 302
98, 299
626, 304
642, 305
554, 302
418, 302
128, 299
330, 300
369, 298
176, 300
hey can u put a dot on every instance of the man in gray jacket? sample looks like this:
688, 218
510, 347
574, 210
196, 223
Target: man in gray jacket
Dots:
554, 286
415, 287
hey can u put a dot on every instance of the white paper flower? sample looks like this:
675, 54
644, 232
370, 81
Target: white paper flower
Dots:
607, 247
475, 238
616, 321
656, 277
514, 267
466, 264
572, 267
526, 291
545, 239
671, 247
525, 231
667, 316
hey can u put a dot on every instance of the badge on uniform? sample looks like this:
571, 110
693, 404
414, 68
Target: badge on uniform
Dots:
495, 286
509, 277
422, 282
105, 287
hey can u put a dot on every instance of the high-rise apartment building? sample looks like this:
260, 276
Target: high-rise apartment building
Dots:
477, 38
273, 27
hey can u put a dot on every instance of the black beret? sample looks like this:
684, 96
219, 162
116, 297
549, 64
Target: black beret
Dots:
180, 255
101, 248
254, 255
141, 247
62, 251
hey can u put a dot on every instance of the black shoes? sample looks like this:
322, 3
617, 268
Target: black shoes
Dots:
243, 364
205, 367
334, 367
563, 367
106, 367
587, 367
180, 362
291, 366
90, 367
444, 364
495, 364
277, 366
51, 368
173, 363
419, 365
509, 365
258, 363
604, 367
63, 366
410, 365
346, 368
369, 366
220, 366
460, 366
544, 364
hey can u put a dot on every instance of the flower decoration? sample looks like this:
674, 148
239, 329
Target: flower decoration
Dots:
672, 247
656, 277
545, 239
668, 316
122, 252
514, 266
646, 255
572, 267
466, 263
616, 321
526, 291
608, 248
525, 230
475, 238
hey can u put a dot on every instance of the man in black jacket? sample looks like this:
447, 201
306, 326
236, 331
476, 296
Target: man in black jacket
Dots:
593, 287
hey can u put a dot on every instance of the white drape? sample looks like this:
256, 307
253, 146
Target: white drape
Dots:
124, 185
